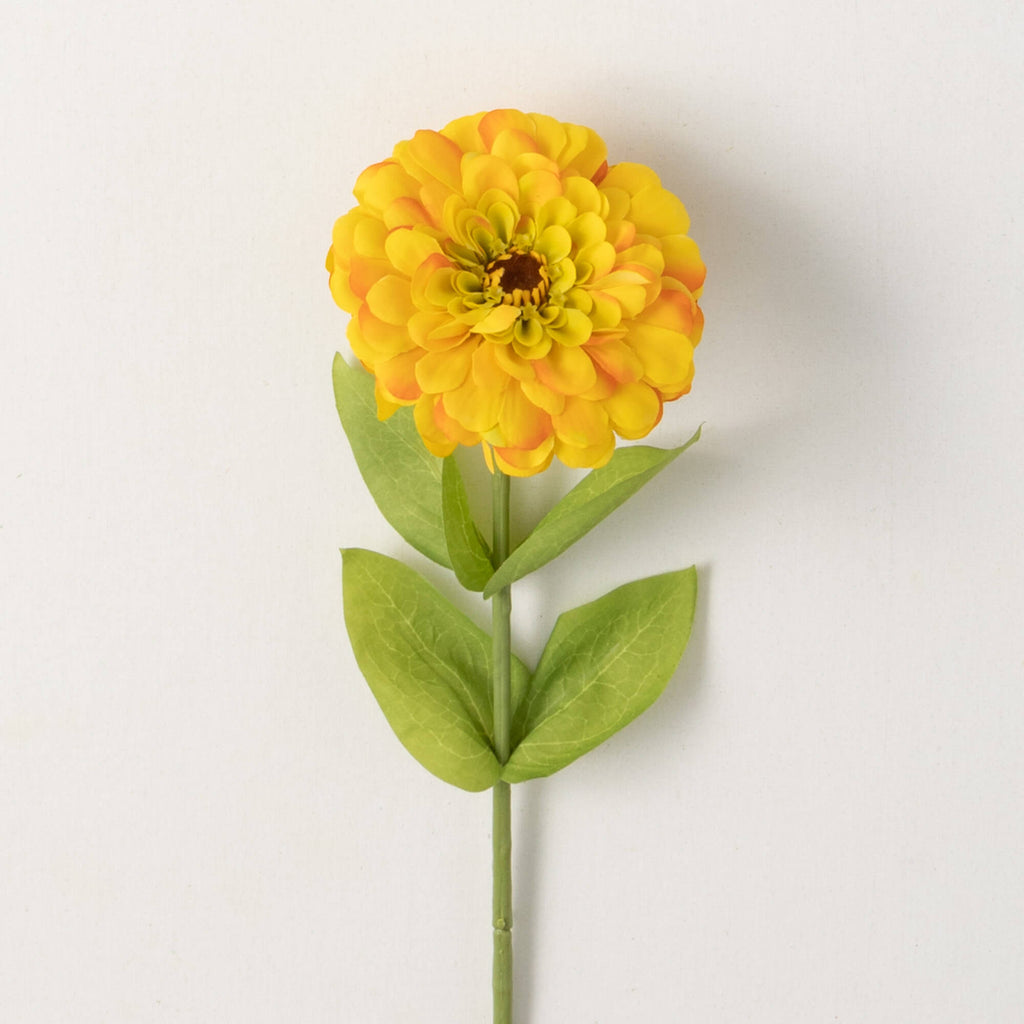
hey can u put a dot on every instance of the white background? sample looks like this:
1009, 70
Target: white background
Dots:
203, 815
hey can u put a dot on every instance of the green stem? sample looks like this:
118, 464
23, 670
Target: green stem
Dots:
501, 618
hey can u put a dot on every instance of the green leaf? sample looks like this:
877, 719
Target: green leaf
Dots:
467, 550
604, 663
428, 666
403, 477
597, 495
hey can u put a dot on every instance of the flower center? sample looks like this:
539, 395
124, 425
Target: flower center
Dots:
520, 277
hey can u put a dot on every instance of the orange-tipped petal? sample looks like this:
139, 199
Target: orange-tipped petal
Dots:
682, 261
617, 359
495, 122
521, 463
386, 406
397, 376
436, 441
437, 157
522, 424
380, 185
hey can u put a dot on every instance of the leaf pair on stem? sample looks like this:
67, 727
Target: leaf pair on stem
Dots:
429, 666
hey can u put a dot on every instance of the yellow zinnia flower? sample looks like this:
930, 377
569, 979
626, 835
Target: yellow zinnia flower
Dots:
517, 291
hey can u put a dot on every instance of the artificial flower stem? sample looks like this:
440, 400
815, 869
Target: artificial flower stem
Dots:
501, 618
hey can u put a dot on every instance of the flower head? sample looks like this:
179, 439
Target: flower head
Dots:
518, 292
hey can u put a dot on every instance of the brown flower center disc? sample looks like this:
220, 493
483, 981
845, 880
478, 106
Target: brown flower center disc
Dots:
521, 277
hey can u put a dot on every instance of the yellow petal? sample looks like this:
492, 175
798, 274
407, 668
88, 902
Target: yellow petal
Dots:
588, 230
369, 237
487, 370
569, 371
543, 397
343, 235
407, 249
406, 212
634, 410
481, 172
437, 443
397, 376
600, 259
667, 355
631, 297
630, 177
533, 351
438, 156
618, 203
572, 329
513, 364
465, 133
495, 122
585, 196
584, 151
621, 234
386, 339
605, 311
364, 273
365, 353
671, 309
521, 463
511, 143
474, 407
341, 290
582, 424
503, 217
389, 300
436, 331
386, 408
555, 243
522, 424
550, 135
433, 196
444, 371
555, 211
646, 259
682, 261
590, 457
537, 188
433, 284
617, 359
381, 184
528, 331
498, 319
604, 387
656, 211
523, 163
